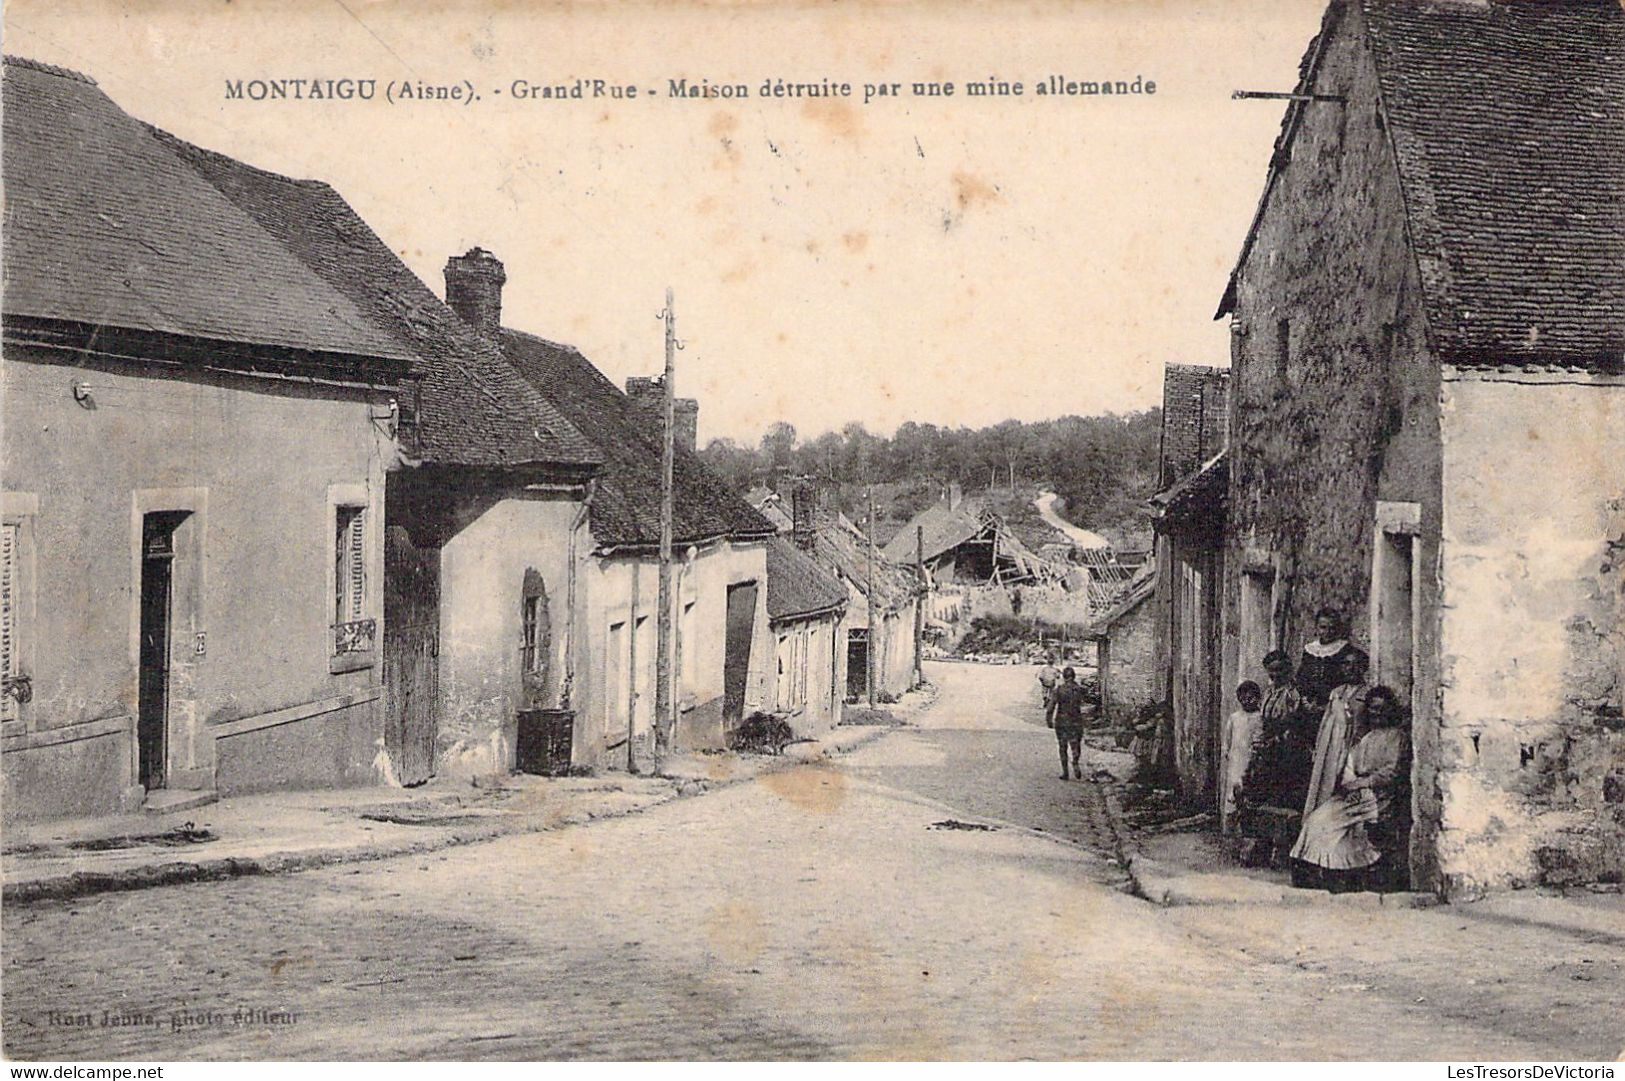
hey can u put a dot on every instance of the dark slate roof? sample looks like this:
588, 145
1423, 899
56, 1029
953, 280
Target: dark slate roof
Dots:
945, 529
1195, 403
1508, 122
797, 587
626, 509
1139, 589
841, 548
1508, 125
475, 409
106, 226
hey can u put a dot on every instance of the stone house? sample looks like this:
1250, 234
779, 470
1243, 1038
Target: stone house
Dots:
841, 551
1125, 637
1428, 413
1188, 515
805, 606
724, 653
190, 415
522, 511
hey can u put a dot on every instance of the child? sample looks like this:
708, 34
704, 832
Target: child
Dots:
1242, 734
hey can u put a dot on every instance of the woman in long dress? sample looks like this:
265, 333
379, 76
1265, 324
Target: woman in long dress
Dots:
1320, 668
1337, 731
1337, 837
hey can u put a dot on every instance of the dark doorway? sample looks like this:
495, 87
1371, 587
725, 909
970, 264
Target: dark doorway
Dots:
857, 663
411, 654
157, 588
741, 629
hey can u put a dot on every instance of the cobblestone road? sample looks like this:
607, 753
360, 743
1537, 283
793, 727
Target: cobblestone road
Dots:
820, 912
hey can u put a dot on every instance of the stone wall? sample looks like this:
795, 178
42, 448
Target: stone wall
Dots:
1334, 397
1533, 745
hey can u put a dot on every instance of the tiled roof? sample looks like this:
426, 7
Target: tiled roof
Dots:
1508, 122
945, 529
1507, 119
797, 586
626, 509
839, 546
475, 410
1195, 400
106, 226
1198, 497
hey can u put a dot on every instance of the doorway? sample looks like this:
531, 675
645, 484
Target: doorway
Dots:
741, 628
857, 662
156, 632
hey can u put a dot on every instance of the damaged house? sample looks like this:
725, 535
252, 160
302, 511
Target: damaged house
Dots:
1428, 414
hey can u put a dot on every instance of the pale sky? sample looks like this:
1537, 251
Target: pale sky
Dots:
958, 261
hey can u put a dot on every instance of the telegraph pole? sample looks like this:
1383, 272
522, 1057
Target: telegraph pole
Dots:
665, 719
869, 602
919, 605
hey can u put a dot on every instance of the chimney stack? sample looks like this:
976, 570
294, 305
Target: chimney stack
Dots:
802, 501
474, 283
648, 396
956, 495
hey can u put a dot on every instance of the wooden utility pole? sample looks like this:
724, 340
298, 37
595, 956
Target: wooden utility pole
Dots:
869, 599
919, 606
664, 719
632, 673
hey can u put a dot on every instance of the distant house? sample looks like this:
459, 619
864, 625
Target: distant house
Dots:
961, 542
771, 506
1188, 514
1428, 330
1125, 637
805, 607
723, 653
196, 434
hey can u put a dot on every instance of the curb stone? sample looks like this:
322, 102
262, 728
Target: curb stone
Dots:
78, 884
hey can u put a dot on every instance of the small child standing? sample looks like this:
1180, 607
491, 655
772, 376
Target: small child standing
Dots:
1242, 734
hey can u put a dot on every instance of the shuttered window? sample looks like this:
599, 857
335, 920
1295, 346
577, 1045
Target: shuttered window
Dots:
9, 646
350, 565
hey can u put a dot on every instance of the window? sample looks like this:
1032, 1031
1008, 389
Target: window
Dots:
349, 564
353, 632
616, 692
535, 626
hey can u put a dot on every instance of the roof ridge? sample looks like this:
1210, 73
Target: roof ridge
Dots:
48, 69
236, 162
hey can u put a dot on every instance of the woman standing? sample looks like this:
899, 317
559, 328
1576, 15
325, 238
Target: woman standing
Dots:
1320, 668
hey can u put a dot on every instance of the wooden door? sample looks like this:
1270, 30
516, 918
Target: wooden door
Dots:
740, 630
152, 714
411, 655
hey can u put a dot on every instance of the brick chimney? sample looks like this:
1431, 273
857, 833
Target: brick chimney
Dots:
803, 500
648, 397
474, 283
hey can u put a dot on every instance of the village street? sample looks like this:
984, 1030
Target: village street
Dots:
825, 911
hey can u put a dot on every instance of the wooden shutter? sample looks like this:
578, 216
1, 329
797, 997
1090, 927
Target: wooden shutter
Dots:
9, 646
358, 563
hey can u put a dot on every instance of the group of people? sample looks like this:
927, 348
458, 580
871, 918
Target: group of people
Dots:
1323, 739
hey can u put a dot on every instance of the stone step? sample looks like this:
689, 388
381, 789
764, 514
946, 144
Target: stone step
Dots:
164, 800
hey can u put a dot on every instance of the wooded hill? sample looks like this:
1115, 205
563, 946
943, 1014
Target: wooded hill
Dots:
1103, 467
